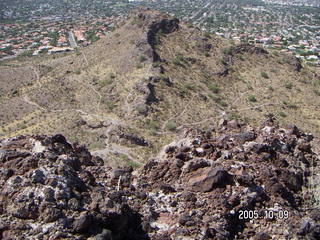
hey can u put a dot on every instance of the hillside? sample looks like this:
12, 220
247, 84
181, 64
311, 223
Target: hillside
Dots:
131, 93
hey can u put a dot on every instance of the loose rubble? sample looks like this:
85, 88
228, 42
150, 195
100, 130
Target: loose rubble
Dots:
199, 187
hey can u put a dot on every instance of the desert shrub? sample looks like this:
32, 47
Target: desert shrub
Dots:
112, 76
304, 80
96, 145
207, 35
223, 103
77, 51
105, 82
228, 51
179, 60
108, 80
156, 64
189, 86
275, 53
22, 126
110, 105
282, 114
214, 88
133, 164
142, 58
317, 92
171, 126
233, 116
154, 125
264, 75
252, 98
289, 85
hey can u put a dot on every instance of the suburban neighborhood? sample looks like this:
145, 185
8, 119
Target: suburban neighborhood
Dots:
287, 26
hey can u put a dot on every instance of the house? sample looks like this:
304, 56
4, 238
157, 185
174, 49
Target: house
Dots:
291, 47
312, 58
79, 35
62, 41
59, 50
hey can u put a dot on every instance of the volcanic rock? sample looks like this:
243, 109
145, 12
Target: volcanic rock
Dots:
52, 189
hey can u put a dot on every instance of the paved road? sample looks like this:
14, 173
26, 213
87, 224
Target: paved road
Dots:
72, 40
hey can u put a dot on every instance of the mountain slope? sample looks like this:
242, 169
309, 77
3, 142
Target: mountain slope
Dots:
129, 94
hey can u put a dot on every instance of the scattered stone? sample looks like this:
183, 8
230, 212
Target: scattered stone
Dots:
197, 186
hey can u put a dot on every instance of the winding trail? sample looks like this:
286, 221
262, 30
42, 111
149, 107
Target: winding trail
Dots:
37, 75
113, 122
85, 58
27, 100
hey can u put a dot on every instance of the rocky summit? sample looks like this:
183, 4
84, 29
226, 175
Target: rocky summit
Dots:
233, 181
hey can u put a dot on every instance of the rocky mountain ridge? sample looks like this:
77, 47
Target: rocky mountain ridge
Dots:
196, 188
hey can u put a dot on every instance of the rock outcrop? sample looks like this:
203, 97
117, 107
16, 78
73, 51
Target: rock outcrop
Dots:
154, 25
234, 182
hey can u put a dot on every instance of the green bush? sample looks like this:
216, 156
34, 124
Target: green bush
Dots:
133, 164
156, 64
316, 92
108, 80
112, 75
142, 58
233, 116
289, 85
96, 145
189, 86
264, 75
214, 88
154, 125
252, 98
171, 126
223, 103
228, 51
105, 82
282, 114
77, 51
179, 60
111, 105
207, 35
218, 100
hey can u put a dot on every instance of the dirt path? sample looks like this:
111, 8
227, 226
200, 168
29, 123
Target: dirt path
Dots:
37, 75
27, 100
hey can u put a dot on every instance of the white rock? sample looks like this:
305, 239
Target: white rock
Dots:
38, 147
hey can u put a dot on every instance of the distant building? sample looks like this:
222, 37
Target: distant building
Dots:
79, 35
60, 50
312, 58
62, 41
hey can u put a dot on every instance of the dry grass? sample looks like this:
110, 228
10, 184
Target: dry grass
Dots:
100, 82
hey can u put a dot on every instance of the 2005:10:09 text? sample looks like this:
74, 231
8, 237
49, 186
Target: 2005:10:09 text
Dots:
265, 214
